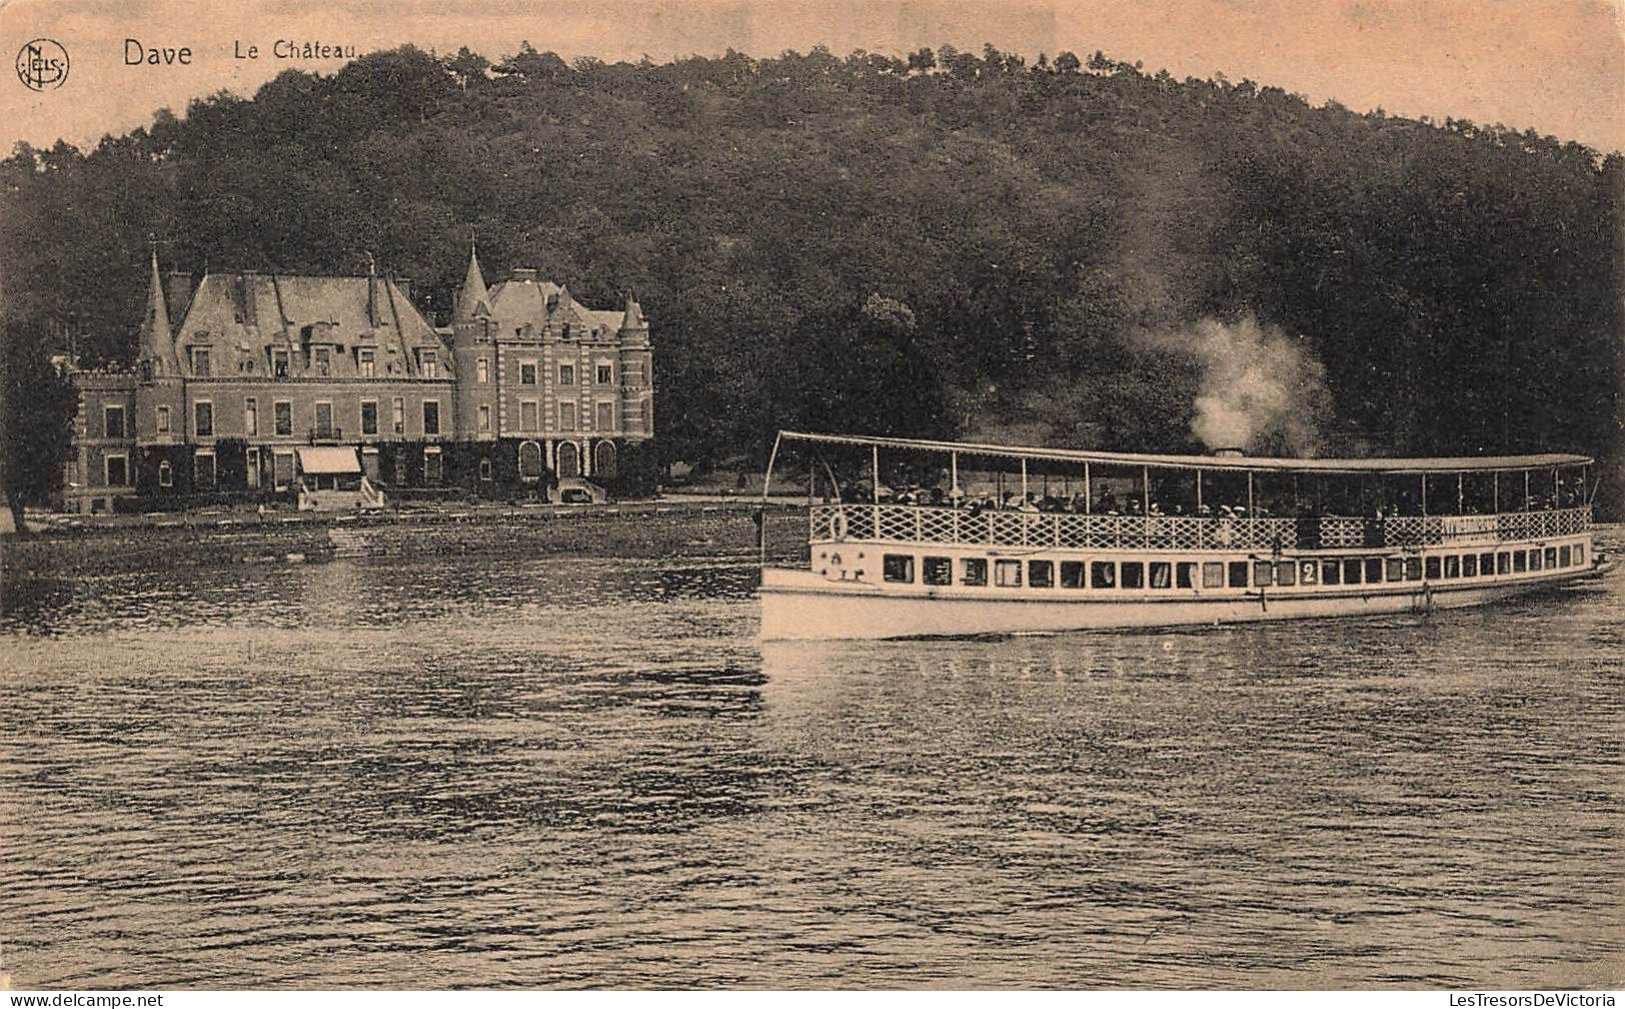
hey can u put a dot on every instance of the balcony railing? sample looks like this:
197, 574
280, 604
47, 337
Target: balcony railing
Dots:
1070, 531
326, 435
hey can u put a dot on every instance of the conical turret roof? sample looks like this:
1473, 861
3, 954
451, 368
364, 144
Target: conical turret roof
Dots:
473, 301
157, 340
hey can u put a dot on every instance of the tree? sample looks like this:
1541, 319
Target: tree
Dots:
37, 406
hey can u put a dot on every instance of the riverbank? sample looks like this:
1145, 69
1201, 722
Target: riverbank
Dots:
644, 529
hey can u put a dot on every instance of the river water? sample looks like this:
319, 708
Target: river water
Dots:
588, 773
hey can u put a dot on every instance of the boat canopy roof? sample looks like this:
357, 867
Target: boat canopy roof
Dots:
1265, 464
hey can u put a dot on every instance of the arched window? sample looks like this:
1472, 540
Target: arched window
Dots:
530, 461
569, 460
603, 460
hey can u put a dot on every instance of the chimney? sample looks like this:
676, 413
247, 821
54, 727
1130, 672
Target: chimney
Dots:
178, 292
404, 285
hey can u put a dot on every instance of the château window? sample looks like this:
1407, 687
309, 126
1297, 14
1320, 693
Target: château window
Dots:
399, 411
369, 416
166, 474
324, 420
485, 469
567, 416
433, 469
567, 374
527, 415
527, 373
203, 419
606, 374
200, 362
163, 420
485, 418
279, 363
251, 416
606, 417
283, 417
482, 370
366, 362
203, 470
113, 421
431, 416
429, 364
118, 470
323, 359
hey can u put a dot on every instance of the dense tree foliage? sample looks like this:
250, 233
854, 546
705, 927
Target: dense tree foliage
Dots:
951, 244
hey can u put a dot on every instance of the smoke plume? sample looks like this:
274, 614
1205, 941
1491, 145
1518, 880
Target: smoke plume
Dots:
1261, 391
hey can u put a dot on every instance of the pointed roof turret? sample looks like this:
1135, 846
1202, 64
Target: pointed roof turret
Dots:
633, 319
473, 300
157, 339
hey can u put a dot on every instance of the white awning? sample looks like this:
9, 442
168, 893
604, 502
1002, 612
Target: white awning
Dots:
328, 460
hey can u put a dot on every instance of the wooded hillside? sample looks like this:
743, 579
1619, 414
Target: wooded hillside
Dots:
1060, 251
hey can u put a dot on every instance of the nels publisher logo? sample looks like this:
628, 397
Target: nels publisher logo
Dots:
42, 64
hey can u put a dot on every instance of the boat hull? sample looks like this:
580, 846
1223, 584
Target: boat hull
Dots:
800, 605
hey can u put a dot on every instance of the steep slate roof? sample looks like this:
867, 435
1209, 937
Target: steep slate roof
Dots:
356, 310
472, 299
157, 342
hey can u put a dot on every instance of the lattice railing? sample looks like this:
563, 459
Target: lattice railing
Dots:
1068, 530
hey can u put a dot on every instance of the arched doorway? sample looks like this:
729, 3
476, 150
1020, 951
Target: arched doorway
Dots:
569, 460
603, 460
530, 461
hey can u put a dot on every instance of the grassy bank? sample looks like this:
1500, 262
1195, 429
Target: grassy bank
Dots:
640, 530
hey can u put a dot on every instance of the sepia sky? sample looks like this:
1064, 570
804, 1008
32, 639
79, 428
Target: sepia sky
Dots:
1557, 66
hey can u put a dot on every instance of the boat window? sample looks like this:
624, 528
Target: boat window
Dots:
1263, 573
1307, 572
1007, 574
937, 571
1162, 575
1579, 553
1286, 573
1373, 570
1331, 572
1103, 574
1486, 564
1238, 574
1041, 574
1396, 569
1534, 559
1452, 566
1071, 574
1434, 570
1565, 557
1185, 574
898, 567
1213, 575
973, 571
1503, 564
1469, 565
1133, 574
1520, 561
1413, 569
1351, 571
1551, 557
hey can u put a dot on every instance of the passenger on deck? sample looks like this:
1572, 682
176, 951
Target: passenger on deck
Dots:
1107, 505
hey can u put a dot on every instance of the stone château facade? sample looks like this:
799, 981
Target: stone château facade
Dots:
527, 391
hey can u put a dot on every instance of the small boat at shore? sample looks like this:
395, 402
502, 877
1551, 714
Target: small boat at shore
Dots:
994, 539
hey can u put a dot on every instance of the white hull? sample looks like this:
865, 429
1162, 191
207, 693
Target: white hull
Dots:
801, 605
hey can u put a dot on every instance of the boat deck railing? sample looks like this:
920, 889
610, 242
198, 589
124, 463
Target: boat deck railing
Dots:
897, 523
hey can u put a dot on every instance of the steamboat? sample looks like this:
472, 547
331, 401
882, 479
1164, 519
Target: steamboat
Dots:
983, 539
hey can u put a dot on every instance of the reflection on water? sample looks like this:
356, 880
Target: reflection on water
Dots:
573, 772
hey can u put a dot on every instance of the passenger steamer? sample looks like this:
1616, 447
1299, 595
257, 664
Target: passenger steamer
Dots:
1364, 536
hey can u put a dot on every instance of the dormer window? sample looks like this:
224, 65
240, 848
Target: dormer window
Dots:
279, 363
365, 364
429, 364
322, 358
567, 331
200, 362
